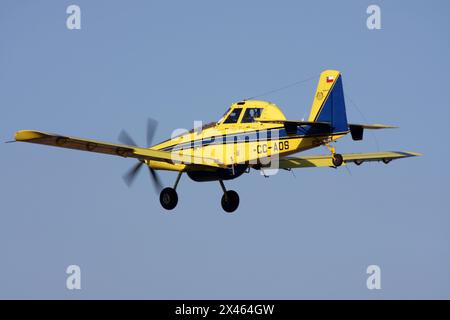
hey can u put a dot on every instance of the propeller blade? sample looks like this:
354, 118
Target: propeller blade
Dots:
125, 138
152, 124
131, 174
156, 180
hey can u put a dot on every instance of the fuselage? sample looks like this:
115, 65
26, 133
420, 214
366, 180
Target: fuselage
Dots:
240, 140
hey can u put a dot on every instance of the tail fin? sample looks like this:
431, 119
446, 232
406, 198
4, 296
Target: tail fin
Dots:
329, 103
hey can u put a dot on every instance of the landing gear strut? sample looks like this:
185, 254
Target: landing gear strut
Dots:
336, 158
230, 199
168, 196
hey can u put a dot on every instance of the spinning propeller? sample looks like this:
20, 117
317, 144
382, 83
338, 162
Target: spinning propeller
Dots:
130, 176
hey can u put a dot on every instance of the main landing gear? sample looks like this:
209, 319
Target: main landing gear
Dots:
169, 197
336, 158
230, 199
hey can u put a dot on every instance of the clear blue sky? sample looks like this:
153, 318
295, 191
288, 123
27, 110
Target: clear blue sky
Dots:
311, 236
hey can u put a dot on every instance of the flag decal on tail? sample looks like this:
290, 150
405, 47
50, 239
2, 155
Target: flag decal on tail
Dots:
330, 79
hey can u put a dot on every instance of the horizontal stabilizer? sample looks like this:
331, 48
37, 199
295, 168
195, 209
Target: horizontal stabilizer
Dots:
372, 126
298, 123
291, 125
357, 130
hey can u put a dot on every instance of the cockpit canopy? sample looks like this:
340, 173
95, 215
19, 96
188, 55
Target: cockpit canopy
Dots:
248, 111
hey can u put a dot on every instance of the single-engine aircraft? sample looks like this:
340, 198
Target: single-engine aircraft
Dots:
252, 134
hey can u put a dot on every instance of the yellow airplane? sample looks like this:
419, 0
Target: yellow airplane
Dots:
251, 134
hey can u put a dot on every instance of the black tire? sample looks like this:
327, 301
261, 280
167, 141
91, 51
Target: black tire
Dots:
230, 201
338, 160
168, 198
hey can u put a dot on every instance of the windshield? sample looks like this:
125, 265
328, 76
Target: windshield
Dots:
221, 118
233, 116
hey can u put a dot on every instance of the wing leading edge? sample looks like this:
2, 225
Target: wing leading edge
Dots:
67, 142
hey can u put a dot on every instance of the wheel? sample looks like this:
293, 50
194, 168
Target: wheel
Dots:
337, 160
168, 198
230, 201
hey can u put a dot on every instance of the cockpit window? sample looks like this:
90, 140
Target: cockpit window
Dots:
221, 119
234, 116
250, 114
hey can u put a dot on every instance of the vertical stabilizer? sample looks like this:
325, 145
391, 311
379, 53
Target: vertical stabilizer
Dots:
329, 103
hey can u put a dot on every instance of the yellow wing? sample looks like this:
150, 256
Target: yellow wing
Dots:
57, 140
357, 158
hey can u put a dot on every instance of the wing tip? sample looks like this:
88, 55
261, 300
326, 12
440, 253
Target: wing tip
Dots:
24, 135
413, 154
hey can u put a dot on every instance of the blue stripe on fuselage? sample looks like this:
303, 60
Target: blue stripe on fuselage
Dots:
251, 136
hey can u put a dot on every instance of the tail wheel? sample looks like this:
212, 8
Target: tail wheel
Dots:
168, 198
230, 201
337, 160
